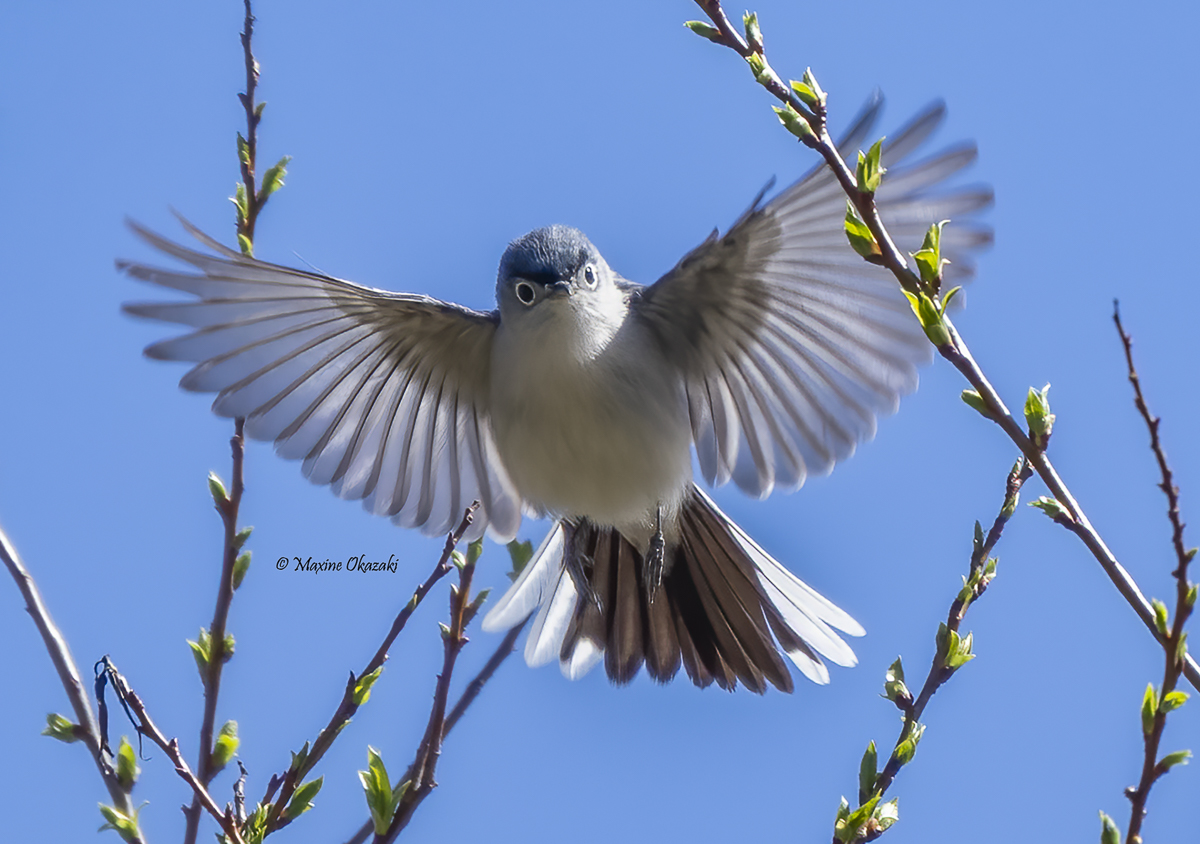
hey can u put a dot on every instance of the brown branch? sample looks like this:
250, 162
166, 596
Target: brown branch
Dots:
730, 37
1173, 645
1167, 484
146, 727
955, 351
424, 767
227, 506
939, 672
503, 651
253, 116
295, 775
68, 673
239, 792
1079, 524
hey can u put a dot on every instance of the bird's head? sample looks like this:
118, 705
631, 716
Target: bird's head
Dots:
554, 274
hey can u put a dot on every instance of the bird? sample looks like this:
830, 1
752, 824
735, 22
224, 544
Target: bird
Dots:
768, 351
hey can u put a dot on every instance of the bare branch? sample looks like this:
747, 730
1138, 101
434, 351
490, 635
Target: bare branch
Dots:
503, 651
424, 767
248, 162
1152, 422
68, 673
249, 205
1156, 704
348, 707
940, 671
227, 506
146, 727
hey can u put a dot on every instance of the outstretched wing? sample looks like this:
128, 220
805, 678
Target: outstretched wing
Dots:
788, 342
384, 396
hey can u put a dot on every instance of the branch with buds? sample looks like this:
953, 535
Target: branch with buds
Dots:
1157, 703
872, 817
804, 115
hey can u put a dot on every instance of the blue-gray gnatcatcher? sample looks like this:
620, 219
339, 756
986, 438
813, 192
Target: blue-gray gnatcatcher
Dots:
771, 349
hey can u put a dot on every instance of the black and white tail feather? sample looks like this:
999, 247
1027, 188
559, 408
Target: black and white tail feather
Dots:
725, 609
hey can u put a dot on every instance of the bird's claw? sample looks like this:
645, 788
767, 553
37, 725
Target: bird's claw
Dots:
577, 562
656, 558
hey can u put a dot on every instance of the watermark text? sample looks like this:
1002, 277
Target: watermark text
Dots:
359, 564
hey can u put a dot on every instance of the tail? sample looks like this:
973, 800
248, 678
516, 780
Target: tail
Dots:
725, 610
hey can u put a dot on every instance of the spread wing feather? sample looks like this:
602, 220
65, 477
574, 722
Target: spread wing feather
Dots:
789, 344
383, 396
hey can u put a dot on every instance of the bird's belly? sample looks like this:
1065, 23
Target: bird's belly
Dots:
611, 446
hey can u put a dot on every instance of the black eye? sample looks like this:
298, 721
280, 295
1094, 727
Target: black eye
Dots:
589, 275
525, 292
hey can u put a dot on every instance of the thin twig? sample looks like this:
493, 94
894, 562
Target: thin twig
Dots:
239, 792
68, 673
730, 37
227, 507
146, 727
1152, 767
1079, 524
503, 651
955, 351
424, 768
1167, 485
939, 672
346, 709
253, 116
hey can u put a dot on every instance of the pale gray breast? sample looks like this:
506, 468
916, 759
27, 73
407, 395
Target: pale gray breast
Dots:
589, 420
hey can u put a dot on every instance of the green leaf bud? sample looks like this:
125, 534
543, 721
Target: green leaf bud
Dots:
705, 30
226, 745
859, 235
362, 686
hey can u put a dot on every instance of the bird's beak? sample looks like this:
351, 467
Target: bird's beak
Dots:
558, 287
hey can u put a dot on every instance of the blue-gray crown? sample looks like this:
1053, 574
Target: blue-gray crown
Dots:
553, 253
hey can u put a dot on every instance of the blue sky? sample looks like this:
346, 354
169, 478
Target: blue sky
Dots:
425, 138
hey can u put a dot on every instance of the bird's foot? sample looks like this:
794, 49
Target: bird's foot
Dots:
656, 558
577, 562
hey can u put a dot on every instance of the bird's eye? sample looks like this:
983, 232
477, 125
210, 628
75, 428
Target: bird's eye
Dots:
525, 292
589, 276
